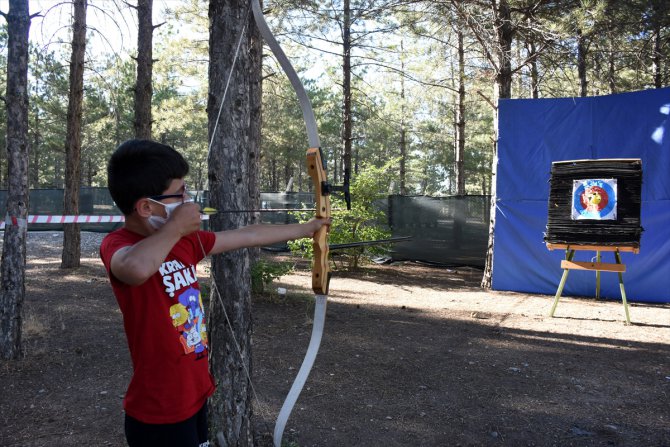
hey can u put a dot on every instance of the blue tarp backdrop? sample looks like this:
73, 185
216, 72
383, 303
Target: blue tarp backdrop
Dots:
533, 133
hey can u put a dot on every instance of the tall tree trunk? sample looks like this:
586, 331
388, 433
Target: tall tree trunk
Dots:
403, 126
657, 56
274, 175
582, 49
531, 51
502, 90
34, 176
71, 256
346, 88
459, 217
534, 73
13, 263
460, 118
519, 78
231, 174
58, 173
611, 67
611, 54
255, 124
504, 36
288, 178
143, 89
403, 158
89, 171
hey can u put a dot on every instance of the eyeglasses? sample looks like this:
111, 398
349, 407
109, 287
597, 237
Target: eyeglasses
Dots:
171, 196
168, 196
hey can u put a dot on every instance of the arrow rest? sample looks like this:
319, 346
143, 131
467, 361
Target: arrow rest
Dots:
327, 188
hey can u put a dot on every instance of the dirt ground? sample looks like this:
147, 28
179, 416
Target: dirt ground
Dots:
412, 356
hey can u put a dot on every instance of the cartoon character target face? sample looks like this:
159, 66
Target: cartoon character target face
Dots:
594, 199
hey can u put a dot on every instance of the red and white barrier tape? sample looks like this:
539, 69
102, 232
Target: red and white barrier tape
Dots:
49, 219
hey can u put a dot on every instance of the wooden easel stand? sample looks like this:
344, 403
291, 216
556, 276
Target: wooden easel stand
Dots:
598, 266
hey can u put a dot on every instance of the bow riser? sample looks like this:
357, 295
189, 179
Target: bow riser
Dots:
317, 172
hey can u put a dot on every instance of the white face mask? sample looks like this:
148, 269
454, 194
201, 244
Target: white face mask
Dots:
158, 221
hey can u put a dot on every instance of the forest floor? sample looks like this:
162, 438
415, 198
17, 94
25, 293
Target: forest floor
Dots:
412, 356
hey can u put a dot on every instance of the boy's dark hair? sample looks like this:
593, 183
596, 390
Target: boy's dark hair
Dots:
142, 168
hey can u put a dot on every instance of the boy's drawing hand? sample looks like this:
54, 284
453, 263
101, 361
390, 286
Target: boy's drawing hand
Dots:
186, 217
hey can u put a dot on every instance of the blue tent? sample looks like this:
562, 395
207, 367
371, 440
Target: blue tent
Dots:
533, 133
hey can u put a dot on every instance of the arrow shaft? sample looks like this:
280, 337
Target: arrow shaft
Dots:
263, 210
392, 240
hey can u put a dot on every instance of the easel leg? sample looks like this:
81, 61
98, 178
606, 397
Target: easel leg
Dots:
569, 254
598, 276
617, 256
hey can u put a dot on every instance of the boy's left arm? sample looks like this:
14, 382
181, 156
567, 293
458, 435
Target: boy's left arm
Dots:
262, 234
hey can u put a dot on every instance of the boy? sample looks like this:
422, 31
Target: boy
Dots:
151, 266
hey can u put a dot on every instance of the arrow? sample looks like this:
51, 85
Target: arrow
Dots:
392, 240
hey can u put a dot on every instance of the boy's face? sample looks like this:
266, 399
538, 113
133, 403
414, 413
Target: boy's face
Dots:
175, 193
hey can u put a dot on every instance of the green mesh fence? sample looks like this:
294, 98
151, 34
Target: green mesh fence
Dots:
445, 230
49, 202
98, 202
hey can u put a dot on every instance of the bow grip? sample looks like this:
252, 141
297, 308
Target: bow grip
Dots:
320, 269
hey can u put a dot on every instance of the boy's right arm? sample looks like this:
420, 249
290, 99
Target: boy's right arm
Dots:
136, 263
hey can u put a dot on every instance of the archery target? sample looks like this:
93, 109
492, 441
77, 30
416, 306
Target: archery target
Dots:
594, 199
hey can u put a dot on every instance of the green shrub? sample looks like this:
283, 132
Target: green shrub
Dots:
264, 272
364, 222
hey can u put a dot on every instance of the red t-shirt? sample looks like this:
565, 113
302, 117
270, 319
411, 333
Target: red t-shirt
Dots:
164, 321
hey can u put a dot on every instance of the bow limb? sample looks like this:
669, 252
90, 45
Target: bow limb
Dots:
305, 368
320, 273
305, 104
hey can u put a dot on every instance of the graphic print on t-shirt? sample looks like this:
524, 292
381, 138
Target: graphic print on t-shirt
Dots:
188, 318
187, 314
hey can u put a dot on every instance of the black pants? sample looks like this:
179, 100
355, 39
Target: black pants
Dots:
189, 433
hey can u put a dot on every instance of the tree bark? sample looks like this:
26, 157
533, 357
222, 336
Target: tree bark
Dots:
403, 158
403, 127
255, 123
504, 36
459, 214
346, 88
34, 167
233, 160
71, 256
582, 49
502, 90
143, 88
13, 263
534, 71
460, 118
611, 53
657, 56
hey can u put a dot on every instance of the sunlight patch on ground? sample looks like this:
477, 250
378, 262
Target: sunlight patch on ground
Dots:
595, 320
